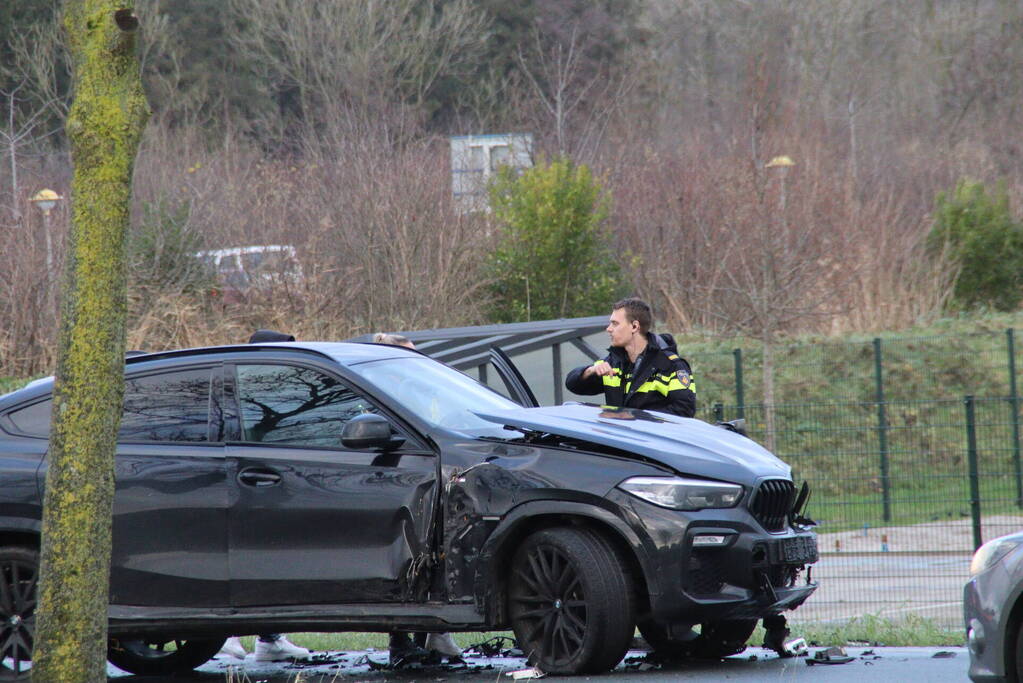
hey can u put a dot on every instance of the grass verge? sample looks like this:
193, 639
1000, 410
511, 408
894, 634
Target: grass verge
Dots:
911, 631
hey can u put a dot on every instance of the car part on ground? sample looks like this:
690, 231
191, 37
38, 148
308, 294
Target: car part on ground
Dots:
714, 640
148, 657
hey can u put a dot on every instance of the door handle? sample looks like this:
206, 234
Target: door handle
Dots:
259, 478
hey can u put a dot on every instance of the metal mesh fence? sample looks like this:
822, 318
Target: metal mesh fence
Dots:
905, 483
904, 368
900, 507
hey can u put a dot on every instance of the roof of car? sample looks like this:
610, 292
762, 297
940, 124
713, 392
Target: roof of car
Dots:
346, 353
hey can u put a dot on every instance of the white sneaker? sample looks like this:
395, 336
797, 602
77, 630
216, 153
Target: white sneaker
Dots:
232, 648
443, 643
279, 650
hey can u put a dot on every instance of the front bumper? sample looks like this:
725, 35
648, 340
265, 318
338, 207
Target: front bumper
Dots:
746, 573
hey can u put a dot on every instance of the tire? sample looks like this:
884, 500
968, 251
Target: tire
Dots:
1014, 658
715, 640
149, 656
570, 602
19, 572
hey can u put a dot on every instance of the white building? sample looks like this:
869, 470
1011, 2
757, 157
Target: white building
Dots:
475, 159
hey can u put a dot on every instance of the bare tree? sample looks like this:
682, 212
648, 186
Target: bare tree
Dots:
374, 62
33, 100
577, 100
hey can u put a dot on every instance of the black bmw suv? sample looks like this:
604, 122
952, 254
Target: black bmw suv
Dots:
358, 487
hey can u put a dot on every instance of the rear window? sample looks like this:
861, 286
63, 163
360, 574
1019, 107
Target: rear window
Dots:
33, 420
172, 406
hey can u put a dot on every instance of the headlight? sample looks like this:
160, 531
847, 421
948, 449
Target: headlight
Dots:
678, 493
992, 551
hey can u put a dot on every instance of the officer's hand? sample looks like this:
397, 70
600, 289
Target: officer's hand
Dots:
600, 368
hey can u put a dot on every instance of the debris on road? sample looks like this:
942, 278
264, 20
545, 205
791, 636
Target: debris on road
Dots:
796, 648
831, 655
943, 654
523, 674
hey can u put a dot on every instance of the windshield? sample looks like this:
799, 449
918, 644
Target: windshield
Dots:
436, 393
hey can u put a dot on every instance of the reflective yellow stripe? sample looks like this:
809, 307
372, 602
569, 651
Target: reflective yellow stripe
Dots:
612, 380
664, 387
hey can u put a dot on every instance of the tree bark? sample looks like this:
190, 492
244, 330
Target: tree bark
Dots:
104, 128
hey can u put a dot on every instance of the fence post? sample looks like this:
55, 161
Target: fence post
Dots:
559, 397
882, 432
1010, 335
719, 412
740, 394
971, 459
483, 373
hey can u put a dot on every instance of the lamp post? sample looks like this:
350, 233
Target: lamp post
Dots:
782, 162
46, 200
768, 332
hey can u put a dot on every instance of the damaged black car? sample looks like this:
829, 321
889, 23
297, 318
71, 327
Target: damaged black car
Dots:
359, 487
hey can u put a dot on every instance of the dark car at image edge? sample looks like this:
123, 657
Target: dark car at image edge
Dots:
358, 487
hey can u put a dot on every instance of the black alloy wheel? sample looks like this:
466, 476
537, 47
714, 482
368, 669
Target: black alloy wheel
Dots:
19, 574
159, 656
716, 639
571, 601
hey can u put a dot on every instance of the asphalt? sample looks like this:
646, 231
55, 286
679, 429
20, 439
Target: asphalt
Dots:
930, 664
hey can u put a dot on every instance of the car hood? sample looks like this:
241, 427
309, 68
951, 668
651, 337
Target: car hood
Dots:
686, 445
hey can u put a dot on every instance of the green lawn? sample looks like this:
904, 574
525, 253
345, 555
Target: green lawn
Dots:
907, 632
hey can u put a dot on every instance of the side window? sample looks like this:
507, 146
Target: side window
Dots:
33, 420
172, 406
286, 404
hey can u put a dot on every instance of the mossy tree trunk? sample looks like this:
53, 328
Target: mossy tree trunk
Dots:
104, 127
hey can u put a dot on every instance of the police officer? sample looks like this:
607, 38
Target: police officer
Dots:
642, 369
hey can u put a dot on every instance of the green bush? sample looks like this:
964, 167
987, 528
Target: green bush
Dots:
984, 241
555, 258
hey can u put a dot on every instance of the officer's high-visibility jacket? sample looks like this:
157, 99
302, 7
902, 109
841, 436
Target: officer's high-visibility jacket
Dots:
659, 380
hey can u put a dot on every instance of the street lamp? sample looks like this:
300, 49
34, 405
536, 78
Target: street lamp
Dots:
782, 162
46, 199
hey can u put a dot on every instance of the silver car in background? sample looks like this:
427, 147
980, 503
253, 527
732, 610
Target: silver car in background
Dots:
993, 610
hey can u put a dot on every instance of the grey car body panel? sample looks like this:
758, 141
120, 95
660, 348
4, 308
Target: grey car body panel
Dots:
686, 445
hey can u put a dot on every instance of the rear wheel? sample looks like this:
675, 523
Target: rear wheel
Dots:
19, 574
715, 640
155, 656
570, 602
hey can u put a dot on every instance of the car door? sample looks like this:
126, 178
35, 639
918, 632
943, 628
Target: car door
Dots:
513, 380
170, 504
312, 521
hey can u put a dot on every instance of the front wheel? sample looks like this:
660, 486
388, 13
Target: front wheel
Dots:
160, 656
570, 602
19, 574
715, 640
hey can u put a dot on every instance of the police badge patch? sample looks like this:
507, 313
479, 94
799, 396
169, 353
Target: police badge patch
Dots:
683, 377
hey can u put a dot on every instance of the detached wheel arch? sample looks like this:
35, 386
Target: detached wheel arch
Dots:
571, 601
715, 640
154, 656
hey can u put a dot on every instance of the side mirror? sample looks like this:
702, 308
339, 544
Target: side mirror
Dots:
368, 431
